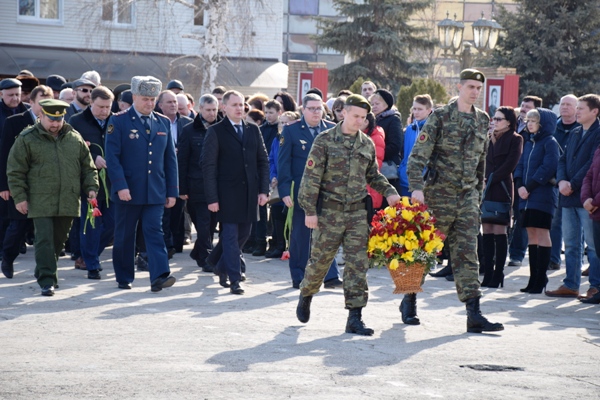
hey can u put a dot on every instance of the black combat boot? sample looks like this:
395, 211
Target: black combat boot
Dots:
408, 308
477, 323
489, 251
260, 249
355, 323
303, 309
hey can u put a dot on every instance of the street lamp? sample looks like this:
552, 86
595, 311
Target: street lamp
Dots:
485, 34
450, 33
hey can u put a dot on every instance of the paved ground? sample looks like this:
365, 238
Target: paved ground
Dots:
197, 341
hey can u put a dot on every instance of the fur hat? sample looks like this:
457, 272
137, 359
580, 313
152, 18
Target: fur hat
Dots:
145, 86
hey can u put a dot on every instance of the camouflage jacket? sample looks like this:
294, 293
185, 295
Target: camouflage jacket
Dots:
460, 142
339, 170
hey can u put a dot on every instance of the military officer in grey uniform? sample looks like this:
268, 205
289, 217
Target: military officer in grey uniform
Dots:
453, 145
340, 164
142, 167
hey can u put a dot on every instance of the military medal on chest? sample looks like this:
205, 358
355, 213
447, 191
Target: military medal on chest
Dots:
134, 134
303, 143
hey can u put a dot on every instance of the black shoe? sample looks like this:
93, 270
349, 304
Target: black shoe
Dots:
163, 281
7, 269
171, 252
248, 247
23, 248
333, 283
356, 325
223, 280
450, 277
408, 308
275, 253
243, 277
48, 290
296, 285
94, 274
141, 262
477, 323
236, 288
447, 270
207, 268
260, 250
63, 253
124, 285
303, 308
594, 299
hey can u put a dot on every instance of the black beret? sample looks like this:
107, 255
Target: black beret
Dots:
55, 82
10, 83
387, 96
472, 74
358, 101
316, 91
66, 85
126, 96
175, 84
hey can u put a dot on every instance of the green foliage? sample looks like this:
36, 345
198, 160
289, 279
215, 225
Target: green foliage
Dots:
405, 97
356, 87
554, 45
380, 40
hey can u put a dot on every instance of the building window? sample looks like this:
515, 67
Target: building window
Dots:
118, 11
40, 9
304, 7
199, 12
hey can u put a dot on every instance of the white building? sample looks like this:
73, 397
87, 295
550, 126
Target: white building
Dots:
122, 38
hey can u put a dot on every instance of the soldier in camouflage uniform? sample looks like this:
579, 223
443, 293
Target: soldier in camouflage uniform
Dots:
453, 144
341, 163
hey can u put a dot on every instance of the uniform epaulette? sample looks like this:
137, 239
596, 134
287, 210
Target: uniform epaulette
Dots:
122, 112
161, 115
292, 123
27, 130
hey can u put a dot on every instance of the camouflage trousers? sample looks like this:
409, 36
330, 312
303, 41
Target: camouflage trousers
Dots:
335, 228
458, 217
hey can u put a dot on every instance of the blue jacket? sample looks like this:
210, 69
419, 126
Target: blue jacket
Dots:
410, 137
294, 146
575, 162
538, 166
273, 156
144, 163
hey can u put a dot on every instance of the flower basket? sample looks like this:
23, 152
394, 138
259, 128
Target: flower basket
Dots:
403, 238
408, 278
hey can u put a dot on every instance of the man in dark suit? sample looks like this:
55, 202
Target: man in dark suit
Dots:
294, 146
236, 181
18, 223
142, 166
91, 124
191, 179
173, 217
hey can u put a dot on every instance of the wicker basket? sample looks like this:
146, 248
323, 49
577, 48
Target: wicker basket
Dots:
408, 279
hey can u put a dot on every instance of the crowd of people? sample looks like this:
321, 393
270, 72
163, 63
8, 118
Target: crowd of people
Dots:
135, 167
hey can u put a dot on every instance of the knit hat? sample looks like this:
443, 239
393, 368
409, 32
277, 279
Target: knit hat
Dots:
387, 96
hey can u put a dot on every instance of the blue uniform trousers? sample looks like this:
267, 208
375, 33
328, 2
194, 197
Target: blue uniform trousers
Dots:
300, 249
126, 220
233, 237
95, 240
14, 237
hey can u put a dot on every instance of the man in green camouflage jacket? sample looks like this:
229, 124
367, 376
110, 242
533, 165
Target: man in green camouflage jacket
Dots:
453, 145
340, 164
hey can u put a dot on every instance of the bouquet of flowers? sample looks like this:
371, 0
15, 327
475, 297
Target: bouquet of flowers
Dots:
404, 239
92, 212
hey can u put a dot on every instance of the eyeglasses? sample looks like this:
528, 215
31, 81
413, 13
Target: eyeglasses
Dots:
498, 119
314, 109
84, 90
338, 110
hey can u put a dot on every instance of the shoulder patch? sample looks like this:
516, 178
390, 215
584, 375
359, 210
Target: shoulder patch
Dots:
423, 137
110, 129
310, 163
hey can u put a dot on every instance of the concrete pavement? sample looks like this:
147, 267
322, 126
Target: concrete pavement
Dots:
198, 341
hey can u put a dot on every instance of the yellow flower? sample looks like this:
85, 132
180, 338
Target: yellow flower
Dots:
410, 235
426, 215
391, 212
411, 244
408, 215
394, 264
405, 201
408, 256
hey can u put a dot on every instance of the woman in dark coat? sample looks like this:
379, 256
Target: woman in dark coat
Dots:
535, 178
504, 151
389, 119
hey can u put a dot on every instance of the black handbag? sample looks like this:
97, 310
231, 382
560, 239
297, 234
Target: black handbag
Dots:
495, 212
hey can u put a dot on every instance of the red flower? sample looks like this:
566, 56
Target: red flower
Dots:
285, 255
96, 212
93, 202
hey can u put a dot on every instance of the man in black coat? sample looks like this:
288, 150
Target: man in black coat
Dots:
91, 124
17, 222
236, 181
191, 179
